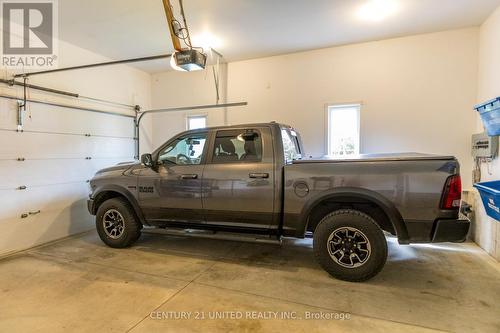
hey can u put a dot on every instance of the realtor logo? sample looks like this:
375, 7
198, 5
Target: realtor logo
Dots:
29, 33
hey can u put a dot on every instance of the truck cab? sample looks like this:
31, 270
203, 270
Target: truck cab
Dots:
223, 178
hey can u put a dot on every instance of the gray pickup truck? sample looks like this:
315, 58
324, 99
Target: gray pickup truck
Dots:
254, 179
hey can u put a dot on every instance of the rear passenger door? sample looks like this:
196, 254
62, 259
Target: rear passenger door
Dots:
238, 179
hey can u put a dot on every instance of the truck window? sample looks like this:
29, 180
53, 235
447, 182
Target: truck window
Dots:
290, 146
185, 150
237, 146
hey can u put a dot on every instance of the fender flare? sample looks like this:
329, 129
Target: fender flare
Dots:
125, 193
385, 204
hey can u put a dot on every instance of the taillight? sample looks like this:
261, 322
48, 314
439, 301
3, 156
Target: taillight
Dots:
452, 194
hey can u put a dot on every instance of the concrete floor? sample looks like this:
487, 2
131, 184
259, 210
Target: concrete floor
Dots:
80, 285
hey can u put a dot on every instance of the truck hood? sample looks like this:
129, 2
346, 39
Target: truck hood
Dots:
376, 157
121, 166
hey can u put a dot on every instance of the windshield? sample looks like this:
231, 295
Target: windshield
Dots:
291, 147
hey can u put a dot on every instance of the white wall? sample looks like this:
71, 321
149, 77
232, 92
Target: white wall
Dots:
487, 230
417, 93
55, 170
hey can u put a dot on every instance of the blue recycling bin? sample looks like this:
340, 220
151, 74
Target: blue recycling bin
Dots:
490, 195
490, 115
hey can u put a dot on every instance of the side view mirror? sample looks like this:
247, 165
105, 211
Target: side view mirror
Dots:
147, 160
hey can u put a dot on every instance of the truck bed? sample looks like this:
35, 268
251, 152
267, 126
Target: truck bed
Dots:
413, 183
376, 157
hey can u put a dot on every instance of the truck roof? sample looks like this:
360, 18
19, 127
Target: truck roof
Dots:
237, 126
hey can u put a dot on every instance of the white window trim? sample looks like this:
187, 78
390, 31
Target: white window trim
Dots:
197, 115
327, 123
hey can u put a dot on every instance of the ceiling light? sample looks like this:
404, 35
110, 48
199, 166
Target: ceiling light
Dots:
378, 10
206, 40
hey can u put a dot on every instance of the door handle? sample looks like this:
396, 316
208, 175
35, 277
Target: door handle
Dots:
259, 175
193, 176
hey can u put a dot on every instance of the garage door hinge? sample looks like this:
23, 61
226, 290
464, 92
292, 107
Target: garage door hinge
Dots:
23, 187
21, 159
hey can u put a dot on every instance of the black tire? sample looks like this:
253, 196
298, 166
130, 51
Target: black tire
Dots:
354, 232
131, 227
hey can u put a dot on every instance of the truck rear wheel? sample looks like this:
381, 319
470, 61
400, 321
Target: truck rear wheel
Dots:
350, 245
117, 224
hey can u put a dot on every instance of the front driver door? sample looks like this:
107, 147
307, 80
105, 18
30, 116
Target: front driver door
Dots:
172, 192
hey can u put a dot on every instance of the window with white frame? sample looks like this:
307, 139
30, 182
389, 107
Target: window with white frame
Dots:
343, 130
195, 122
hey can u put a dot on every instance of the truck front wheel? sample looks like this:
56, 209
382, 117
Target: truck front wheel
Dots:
350, 245
117, 224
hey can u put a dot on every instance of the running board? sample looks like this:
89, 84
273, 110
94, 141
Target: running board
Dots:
209, 234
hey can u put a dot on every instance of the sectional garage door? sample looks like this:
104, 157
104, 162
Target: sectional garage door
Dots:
45, 168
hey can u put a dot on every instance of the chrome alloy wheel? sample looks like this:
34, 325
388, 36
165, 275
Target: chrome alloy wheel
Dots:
349, 247
113, 223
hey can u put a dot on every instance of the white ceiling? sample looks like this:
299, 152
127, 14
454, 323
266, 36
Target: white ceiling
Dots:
253, 28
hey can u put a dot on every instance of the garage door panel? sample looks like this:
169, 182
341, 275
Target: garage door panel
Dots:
41, 145
48, 118
27, 173
41, 198
10, 205
110, 147
8, 116
47, 226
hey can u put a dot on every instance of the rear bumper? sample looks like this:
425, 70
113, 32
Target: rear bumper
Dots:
91, 206
451, 230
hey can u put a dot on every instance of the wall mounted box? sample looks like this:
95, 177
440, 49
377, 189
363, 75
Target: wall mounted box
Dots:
490, 195
490, 115
484, 146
